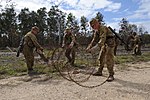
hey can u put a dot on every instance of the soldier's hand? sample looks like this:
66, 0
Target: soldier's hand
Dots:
89, 46
70, 46
89, 50
41, 48
63, 46
86, 49
39, 51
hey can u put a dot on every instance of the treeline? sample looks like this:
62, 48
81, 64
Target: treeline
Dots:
14, 25
126, 29
52, 24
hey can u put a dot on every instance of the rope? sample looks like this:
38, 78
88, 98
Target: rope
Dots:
55, 65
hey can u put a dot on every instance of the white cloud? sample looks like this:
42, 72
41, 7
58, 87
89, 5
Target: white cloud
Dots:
89, 8
141, 16
113, 7
114, 25
94, 4
79, 13
145, 24
31, 4
71, 2
143, 12
79, 6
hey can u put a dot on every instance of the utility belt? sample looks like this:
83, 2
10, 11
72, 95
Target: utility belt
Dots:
110, 41
70, 43
109, 37
29, 44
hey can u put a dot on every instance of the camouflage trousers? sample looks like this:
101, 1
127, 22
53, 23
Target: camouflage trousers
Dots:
29, 57
106, 56
137, 50
70, 54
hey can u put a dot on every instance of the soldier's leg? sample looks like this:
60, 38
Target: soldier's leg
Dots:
139, 50
115, 50
41, 54
30, 62
67, 54
117, 41
73, 56
110, 62
134, 50
101, 59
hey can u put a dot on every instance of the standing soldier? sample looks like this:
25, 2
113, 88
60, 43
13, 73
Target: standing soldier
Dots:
69, 44
137, 44
117, 42
30, 42
106, 44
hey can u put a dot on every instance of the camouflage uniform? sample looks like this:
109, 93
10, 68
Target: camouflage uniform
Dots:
106, 54
69, 44
130, 42
30, 42
116, 45
137, 45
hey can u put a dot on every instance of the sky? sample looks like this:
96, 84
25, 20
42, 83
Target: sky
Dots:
135, 11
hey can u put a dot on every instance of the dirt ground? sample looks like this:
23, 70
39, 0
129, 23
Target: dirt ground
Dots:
132, 83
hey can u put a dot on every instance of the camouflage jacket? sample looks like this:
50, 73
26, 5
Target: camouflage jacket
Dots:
31, 40
69, 39
105, 37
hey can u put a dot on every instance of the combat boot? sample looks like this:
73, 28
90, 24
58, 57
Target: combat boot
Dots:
110, 78
98, 73
32, 72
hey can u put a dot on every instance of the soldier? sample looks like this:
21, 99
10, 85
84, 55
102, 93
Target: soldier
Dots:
69, 44
30, 42
117, 42
130, 42
137, 44
106, 44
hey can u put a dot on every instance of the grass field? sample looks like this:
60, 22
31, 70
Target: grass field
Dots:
10, 65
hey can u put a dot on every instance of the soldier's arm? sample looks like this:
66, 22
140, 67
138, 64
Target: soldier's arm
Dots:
102, 37
91, 43
73, 39
137, 39
36, 44
63, 43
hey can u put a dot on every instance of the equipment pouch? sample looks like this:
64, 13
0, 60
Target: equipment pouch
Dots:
110, 42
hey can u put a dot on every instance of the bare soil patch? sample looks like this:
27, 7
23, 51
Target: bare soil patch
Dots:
133, 83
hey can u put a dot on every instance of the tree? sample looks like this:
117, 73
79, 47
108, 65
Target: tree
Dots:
56, 19
9, 25
42, 24
134, 28
24, 22
83, 25
99, 16
72, 22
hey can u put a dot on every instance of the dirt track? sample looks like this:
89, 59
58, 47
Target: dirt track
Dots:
130, 84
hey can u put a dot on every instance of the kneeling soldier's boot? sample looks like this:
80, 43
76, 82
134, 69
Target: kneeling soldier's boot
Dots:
98, 73
31, 72
110, 78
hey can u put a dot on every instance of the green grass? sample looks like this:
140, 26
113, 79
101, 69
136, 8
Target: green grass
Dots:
123, 60
14, 66
131, 58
